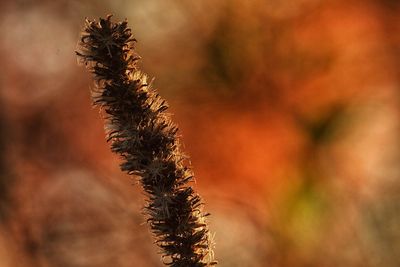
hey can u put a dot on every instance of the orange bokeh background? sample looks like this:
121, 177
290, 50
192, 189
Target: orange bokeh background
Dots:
289, 111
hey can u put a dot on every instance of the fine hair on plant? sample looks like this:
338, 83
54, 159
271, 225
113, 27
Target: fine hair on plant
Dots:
141, 131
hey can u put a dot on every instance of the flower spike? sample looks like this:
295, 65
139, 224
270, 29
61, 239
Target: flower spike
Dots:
141, 131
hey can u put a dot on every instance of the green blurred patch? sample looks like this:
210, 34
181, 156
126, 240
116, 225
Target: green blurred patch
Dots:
305, 214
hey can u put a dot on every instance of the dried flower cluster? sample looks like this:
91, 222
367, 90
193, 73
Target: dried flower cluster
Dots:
142, 133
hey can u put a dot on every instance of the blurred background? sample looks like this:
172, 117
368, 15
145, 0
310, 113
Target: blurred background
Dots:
289, 110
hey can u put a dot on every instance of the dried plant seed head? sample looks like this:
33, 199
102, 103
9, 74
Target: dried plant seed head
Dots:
140, 130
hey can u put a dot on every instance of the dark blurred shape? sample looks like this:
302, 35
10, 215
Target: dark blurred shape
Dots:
225, 55
390, 4
253, 58
322, 129
5, 171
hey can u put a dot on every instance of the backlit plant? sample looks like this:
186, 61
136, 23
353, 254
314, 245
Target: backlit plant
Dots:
142, 133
